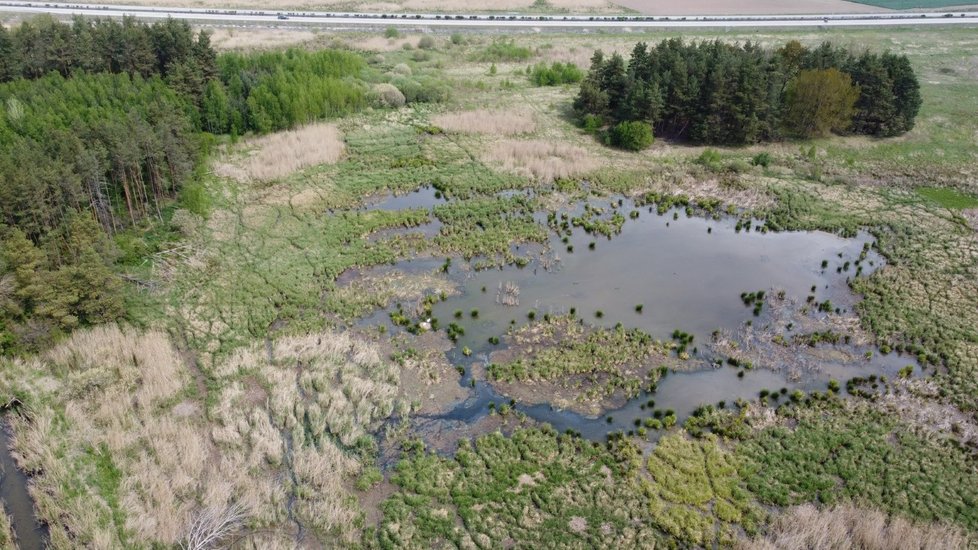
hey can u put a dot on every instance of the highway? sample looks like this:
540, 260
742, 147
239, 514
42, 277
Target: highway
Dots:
349, 19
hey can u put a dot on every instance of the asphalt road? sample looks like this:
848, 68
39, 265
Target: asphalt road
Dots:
346, 19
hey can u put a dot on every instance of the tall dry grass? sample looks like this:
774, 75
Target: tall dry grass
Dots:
256, 38
277, 155
541, 160
481, 121
847, 527
125, 398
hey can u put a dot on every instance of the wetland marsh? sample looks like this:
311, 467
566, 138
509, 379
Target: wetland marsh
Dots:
450, 315
688, 270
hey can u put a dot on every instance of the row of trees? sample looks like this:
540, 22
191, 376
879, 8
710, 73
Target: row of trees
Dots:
44, 45
276, 90
110, 144
718, 93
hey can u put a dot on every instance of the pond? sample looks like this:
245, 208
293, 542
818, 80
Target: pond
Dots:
688, 272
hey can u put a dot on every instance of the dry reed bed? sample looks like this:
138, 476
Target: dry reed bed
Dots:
541, 160
846, 527
482, 121
123, 454
275, 156
254, 39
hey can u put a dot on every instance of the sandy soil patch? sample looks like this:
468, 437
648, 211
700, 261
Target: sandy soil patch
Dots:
482, 121
278, 155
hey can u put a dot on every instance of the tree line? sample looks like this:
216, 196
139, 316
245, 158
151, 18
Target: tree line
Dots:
103, 124
276, 90
733, 94
168, 48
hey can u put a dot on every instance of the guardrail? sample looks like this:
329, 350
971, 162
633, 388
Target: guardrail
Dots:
524, 18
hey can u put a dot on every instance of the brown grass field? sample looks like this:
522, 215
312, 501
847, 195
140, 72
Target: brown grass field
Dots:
496, 123
847, 527
541, 160
277, 155
451, 6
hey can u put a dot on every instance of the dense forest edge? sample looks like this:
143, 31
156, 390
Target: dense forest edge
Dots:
116, 120
738, 94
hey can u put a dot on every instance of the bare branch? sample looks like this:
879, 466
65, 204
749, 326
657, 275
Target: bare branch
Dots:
209, 525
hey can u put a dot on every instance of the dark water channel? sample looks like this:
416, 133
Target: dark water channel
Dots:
17, 502
688, 273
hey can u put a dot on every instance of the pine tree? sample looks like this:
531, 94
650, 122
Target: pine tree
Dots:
9, 57
876, 109
906, 91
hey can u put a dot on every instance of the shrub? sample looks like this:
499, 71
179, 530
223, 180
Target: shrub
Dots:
422, 89
457, 38
504, 50
762, 159
592, 123
387, 95
392, 32
710, 159
426, 43
631, 135
556, 74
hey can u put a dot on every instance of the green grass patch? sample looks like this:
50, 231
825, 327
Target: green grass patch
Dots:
948, 198
863, 455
